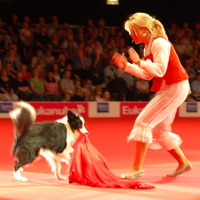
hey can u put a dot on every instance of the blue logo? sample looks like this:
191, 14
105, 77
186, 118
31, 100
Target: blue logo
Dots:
5, 107
192, 107
103, 107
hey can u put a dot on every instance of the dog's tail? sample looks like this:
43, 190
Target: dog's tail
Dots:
22, 116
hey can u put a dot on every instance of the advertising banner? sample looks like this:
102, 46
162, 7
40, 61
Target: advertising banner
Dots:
59, 109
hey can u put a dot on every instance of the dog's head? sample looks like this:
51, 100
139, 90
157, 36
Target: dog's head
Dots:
76, 122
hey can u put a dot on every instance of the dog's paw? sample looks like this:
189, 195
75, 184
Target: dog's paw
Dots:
19, 177
61, 178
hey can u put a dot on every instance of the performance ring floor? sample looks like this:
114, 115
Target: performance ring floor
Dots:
108, 135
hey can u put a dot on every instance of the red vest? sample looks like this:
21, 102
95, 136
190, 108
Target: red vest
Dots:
175, 71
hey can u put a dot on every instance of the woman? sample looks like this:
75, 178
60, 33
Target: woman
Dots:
37, 85
51, 86
152, 127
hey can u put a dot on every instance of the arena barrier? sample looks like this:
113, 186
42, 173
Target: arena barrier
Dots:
96, 109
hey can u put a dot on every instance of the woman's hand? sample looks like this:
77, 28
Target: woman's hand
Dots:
119, 60
133, 55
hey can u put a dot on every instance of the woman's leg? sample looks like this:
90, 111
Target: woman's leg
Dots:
171, 142
161, 106
184, 164
137, 168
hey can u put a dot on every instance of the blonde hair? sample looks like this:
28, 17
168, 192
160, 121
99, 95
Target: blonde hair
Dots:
140, 19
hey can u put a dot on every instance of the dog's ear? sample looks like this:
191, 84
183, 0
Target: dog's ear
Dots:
70, 114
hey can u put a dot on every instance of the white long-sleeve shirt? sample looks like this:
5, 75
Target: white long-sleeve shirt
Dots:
160, 49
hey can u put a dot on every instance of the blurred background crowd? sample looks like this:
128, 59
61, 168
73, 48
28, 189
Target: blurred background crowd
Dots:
54, 61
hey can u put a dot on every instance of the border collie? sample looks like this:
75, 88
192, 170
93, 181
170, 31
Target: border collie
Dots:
51, 139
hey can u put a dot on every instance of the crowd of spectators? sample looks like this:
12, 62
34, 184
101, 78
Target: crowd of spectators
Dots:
54, 61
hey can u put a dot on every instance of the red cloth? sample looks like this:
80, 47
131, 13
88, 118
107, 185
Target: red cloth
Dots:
88, 167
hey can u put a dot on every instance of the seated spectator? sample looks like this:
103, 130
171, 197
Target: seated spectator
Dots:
7, 87
195, 87
27, 40
181, 48
49, 59
41, 69
67, 84
188, 64
26, 74
88, 89
142, 90
52, 87
37, 85
61, 61
55, 45
13, 58
14, 24
79, 65
98, 92
35, 59
97, 59
129, 79
22, 88
106, 96
40, 24
11, 72
110, 72
56, 71
41, 38
78, 93
91, 97
67, 97
5, 39
119, 90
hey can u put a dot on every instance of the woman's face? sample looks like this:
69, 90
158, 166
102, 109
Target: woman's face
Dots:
137, 34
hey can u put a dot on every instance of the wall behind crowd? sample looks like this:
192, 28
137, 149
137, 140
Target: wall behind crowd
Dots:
63, 62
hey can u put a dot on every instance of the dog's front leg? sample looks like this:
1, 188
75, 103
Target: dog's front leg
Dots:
56, 168
17, 175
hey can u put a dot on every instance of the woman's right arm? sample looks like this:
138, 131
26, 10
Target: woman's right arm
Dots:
121, 62
137, 71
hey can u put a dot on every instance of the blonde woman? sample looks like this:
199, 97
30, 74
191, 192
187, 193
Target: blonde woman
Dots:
152, 128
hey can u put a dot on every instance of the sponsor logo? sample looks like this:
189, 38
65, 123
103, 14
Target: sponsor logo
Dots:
135, 110
5, 107
192, 107
59, 109
129, 109
103, 107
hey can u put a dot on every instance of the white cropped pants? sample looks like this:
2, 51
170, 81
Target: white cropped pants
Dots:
154, 124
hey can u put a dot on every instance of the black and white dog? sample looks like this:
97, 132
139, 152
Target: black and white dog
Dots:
53, 140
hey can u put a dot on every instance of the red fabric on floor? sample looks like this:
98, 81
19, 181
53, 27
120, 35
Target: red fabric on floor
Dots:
88, 167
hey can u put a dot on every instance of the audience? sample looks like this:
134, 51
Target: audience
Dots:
73, 63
